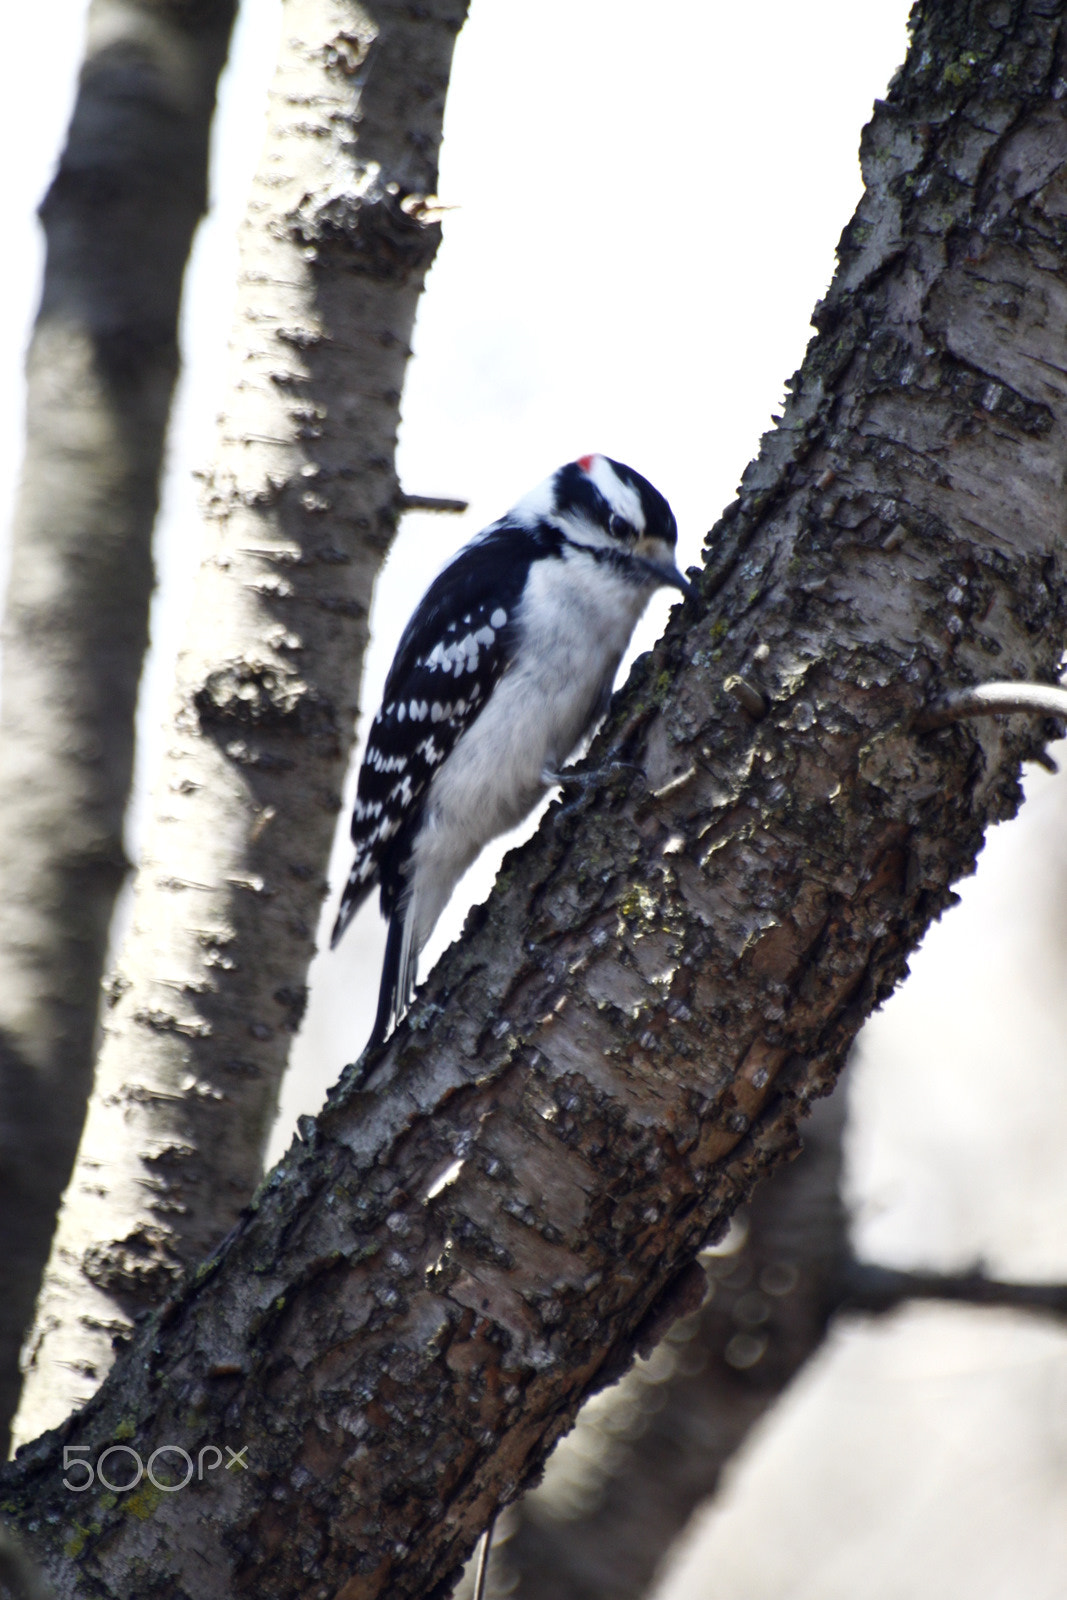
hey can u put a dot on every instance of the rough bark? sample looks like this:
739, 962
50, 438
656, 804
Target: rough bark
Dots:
669, 975
302, 503
119, 220
646, 1454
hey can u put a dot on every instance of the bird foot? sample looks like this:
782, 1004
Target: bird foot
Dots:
583, 781
588, 777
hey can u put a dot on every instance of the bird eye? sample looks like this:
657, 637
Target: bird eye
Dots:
622, 530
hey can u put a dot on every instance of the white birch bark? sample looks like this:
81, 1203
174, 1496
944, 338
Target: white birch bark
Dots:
301, 504
119, 219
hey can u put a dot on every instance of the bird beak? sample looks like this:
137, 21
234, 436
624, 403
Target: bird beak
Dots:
667, 572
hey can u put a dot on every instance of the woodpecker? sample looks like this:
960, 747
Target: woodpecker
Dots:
506, 665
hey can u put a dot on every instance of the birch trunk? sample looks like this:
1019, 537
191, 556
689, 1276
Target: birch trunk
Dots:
119, 219
302, 503
481, 1233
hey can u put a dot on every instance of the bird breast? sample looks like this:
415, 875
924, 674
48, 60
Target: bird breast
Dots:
574, 623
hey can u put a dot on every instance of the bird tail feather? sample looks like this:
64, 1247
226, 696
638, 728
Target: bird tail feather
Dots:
387, 993
355, 892
399, 970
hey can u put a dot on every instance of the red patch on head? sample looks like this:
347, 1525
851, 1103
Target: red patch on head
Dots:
586, 463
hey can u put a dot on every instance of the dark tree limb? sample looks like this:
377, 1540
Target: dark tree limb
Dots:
19, 1578
483, 1229
431, 502
119, 220
646, 1455
867, 1286
654, 1448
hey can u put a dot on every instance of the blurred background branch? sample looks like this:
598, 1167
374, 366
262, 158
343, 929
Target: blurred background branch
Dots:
119, 218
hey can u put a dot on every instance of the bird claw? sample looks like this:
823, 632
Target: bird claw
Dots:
583, 782
574, 778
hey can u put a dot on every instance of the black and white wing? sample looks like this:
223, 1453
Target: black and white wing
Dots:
459, 642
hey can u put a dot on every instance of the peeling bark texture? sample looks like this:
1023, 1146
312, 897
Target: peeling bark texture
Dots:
645, 1454
494, 1213
119, 220
302, 503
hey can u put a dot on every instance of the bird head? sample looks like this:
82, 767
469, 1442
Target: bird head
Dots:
608, 505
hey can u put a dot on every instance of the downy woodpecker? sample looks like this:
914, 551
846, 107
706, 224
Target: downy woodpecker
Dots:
505, 667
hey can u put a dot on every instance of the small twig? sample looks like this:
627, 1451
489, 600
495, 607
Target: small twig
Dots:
867, 1287
431, 502
1043, 759
482, 1571
991, 700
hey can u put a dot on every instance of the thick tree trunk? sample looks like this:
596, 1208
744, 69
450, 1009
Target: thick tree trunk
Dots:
303, 502
482, 1232
119, 220
647, 1453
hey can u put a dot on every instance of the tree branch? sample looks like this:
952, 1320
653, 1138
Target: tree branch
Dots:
646, 1454
867, 1286
993, 700
301, 504
119, 220
431, 502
